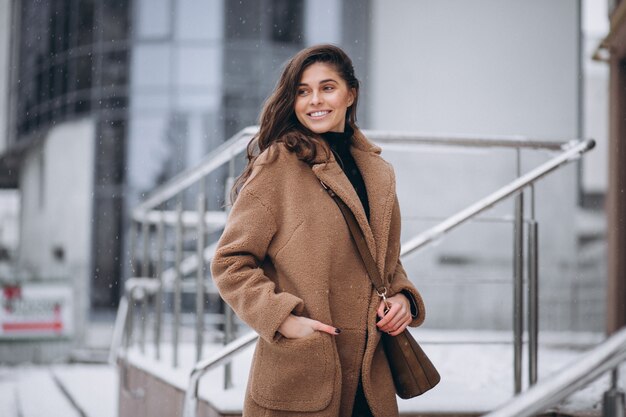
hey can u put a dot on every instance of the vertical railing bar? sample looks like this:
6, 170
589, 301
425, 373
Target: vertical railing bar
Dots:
229, 331
133, 249
159, 295
200, 273
228, 337
133, 252
533, 291
177, 283
130, 324
145, 231
143, 313
518, 285
143, 301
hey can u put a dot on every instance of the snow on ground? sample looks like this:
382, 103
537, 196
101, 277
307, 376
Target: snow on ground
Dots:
34, 391
476, 370
93, 387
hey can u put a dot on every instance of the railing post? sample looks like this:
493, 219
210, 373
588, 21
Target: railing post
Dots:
533, 291
145, 266
613, 402
229, 336
177, 283
229, 325
159, 295
518, 286
132, 247
200, 272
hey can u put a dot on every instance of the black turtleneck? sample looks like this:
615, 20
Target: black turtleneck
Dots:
339, 143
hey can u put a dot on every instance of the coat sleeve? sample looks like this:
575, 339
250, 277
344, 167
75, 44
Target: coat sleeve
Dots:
237, 271
401, 283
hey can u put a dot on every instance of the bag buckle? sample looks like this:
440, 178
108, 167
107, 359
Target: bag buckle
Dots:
383, 295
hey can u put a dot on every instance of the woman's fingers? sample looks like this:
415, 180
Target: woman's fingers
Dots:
389, 317
381, 309
296, 327
321, 327
396, 319
401, 328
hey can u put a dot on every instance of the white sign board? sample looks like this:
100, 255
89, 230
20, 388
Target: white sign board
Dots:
36, 310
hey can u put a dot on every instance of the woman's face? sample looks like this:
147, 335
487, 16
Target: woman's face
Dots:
322, 99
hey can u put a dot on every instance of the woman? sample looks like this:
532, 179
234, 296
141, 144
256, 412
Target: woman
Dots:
286, 262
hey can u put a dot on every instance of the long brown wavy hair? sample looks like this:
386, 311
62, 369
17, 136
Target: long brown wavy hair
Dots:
278, 122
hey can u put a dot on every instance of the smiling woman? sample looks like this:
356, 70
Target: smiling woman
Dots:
286, 262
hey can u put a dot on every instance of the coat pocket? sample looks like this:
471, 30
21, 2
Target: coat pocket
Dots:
294, 374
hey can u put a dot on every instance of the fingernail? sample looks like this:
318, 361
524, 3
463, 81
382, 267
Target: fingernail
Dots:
337, 330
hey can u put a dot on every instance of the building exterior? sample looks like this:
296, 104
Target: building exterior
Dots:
108, 99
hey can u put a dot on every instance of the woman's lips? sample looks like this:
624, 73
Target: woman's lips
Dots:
319, 114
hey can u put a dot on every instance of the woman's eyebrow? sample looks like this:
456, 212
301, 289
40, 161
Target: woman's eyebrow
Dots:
321, 82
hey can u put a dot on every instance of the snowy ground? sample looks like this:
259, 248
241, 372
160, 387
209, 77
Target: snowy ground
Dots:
476, 377
58, 391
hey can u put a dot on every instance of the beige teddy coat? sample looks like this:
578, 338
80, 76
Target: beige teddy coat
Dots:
287, 249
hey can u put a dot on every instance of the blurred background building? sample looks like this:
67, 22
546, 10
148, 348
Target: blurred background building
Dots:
102, 101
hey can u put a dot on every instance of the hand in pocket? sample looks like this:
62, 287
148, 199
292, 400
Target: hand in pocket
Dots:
297, 327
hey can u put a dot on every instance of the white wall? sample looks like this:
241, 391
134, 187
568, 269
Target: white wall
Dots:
596, 92
56, 182
480, 67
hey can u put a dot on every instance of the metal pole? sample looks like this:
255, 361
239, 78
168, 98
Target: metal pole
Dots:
533, 301
177, 283
228, 337
200, 272
133, 249
518, 286
229, 330
159, 295
145, 265
614, 400
145, 231
143, 300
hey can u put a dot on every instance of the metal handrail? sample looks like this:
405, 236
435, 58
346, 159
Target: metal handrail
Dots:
148, 211
239, 141
577, 374
220, 357
574, 151
210, 163
435, 232
483, 141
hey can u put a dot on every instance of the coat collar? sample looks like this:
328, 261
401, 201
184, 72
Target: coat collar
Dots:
380, 185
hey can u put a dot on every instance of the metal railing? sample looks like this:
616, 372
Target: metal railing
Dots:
573, 150
607, 356
152, 216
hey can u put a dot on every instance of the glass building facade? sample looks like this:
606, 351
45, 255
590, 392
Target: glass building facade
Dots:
73, 63
165, 81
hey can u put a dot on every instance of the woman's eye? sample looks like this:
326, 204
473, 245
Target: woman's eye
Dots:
301, 92
328, 88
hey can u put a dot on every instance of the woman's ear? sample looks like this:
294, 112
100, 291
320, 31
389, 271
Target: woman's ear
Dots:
352, 96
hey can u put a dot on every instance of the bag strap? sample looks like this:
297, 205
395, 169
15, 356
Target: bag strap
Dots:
361, 244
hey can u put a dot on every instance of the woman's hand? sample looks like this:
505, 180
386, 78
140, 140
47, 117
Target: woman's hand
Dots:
296, 327
397, 318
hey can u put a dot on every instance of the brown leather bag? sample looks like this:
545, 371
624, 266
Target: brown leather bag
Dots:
413, 373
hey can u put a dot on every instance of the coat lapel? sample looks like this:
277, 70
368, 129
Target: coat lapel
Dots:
380, 184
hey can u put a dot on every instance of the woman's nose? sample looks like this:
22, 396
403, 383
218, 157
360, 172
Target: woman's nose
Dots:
316, 98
